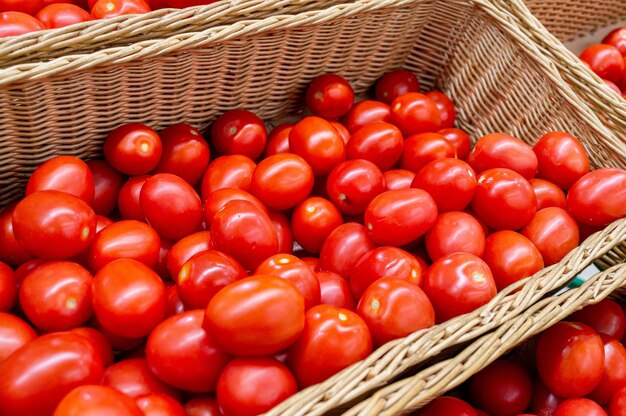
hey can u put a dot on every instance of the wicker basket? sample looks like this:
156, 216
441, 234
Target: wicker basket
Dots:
471, 49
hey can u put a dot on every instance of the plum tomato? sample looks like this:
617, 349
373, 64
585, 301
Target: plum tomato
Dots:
239, 132
202, 406
18, 23
599, 197
398, 179
30, 7
317, 142
453, 232
605, 60
554, 232
379, 142
543, 401
66, 174
134, 378
617, 406
343, 248
499, 150
511, 257
579, 407
185, 153
278, 140
415, 113
394, 84
8, 287
342, 131
606, 317
185, 249
335, 290
312, 221
92, 399
420, 149
282, 225
614, 377
158, 404
128, 198
62, 14
460, 140
216, 201
547, 194
133, 149
329, 96
363, 113
449, 406
562, 160
14, 334
353, 184
99, 342
445, 106
11, 251
107, 185
450, 182
232, 171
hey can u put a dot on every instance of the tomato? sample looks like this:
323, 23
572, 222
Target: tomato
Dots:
329, 96
129, 299
185, 249
614, 377
415, 113
333, 339
174, 304
613, 86
379, 142
570, 359
99, 342
107, 184
183, 355
128, 198
511, 257
25, 6
606, 317
604, 60
394, 84
133, 149
117, 342
617, 38
11, 251
460, 140
449, 406
599, 197
134, 378
342, 131
344, 247
313, 263
445, 106
617, 405
420, 149
128, 239
92, 400
278, 140
503, 388
66, 174
233, 171
562, 159
458, 283
202, 406
335, 290
317, 142
499, 150
17, 23
504, 200
543, 401
554, 232
450, 182
453, 232
244, 232
363, 113
14, 334
60, 15
205, 274
398, 179
282, 181
8, 288
37, 376
353, 184
53, 224
171, 206
312, 221
383, 262
239, 132
396, 218
159, 405
81, 3
547, 194
251, 386
579, 407
106, 9
185, 153
218, 199
22, 271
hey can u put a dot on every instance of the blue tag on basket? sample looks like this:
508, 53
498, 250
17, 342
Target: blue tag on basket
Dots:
585, 275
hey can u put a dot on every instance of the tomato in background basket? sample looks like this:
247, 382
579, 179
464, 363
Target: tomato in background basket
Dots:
60, 15
329, 96
106, 9
17, 23
604, 60
239, 132
394, 84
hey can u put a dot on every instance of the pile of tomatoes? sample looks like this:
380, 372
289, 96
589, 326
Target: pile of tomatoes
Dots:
282, 261
575, 368
608, 59
18, 17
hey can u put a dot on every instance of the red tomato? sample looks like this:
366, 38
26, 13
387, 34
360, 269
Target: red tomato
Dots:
107, 184
450, 182
159, 405
562, 159
22, 271
133, 149
335, 290
282, 181
570, 359
329, 96
398, 179
118, 342
415, 113
53, 224
11, 251
543, 401
251, 386
501, 389
60, 15
445, 106
453, 232
365, 112
379, 142
202, 406
547, 194
37, 376
614, 377
106, 9
184, 355
171, 206
185, 249
599, 197
129, 299
216, 201
342, 130
128, 198
458, 283
511, 257
606, 317
185, 153
25, 6
14, 334
278, 140
282, 225
8, 288
604, 60
394, 84
333, 339
317, 142
233, 171
617, 406
617, 38
449, 406
96, 400
420, 149
244, 232
460, 140
499, 150
312, 221
504, 200
396, 218
81, 3
579, 407
17, 23
344, 247
65, 174
204, 275
554, 232
353, 184
239, 132
99, 342
134, 378
174, 304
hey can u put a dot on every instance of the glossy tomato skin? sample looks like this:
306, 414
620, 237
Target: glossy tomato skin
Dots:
156, 404
614, 377
128, 198
420, 149
458, 283
134, 378
335, 290
312, 221
37, 376
92, 400
547, 194
239, 132
232, 171
396, 218
344, 247
185, 249
98, 341
415, 113
329, 96
353, 184
499, 150
202, 406
185, 356
460, 140
562, 159
606, 317
251, 386
599, 197
278, 140
25, 6
554, 232
14, 334
53, 224
365, 112
449, 406
453, 232
317, 142
450, 182
445, 106
60, 15
133, 149
379, 142
570, 359
579, 407
11, 251
398, 179
617, 38
394, 84
65, 174
604, 60
107, 184
216, 201
333, 339
8, 288
185, 153
543, 401
617, 406
18, 23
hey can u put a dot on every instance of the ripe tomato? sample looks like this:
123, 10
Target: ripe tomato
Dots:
133, 149
53, 224
450, 182
129, 299
37, 376
81, 3
445, 106
504, 200
100, 343
458, 283
344, 247
511, 257
128, 198
185, 249
14, 334
562, 159
329, 96
449, 406
174, 304
460, 140
25, 6
617, 38
579, 407
96, 400
617, 406
398, 179
570, 359
185, 153
17, 23
604, 60
205, 274
543, 401
420, 149
106, 9
233, 171
171, 206
606, 317
282, 225
278, 140
554, 232
317, 142
8, 288
11, 251
202, 406
155, 404
22, 271
499, 150
599, 197
353, 184
396, 218
335, 290
394, 84
342, 131
185, 356
239, 132
614, 377
363, 113
282, 181
134, 378
107, 184
244, 232
61, 14
453, 232
379, 142
218, 199
415, 113
66, 174
547, 194
333, 339
251, 386
312, 221
502, 388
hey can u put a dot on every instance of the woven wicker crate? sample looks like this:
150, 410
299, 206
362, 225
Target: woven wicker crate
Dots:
471, 49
